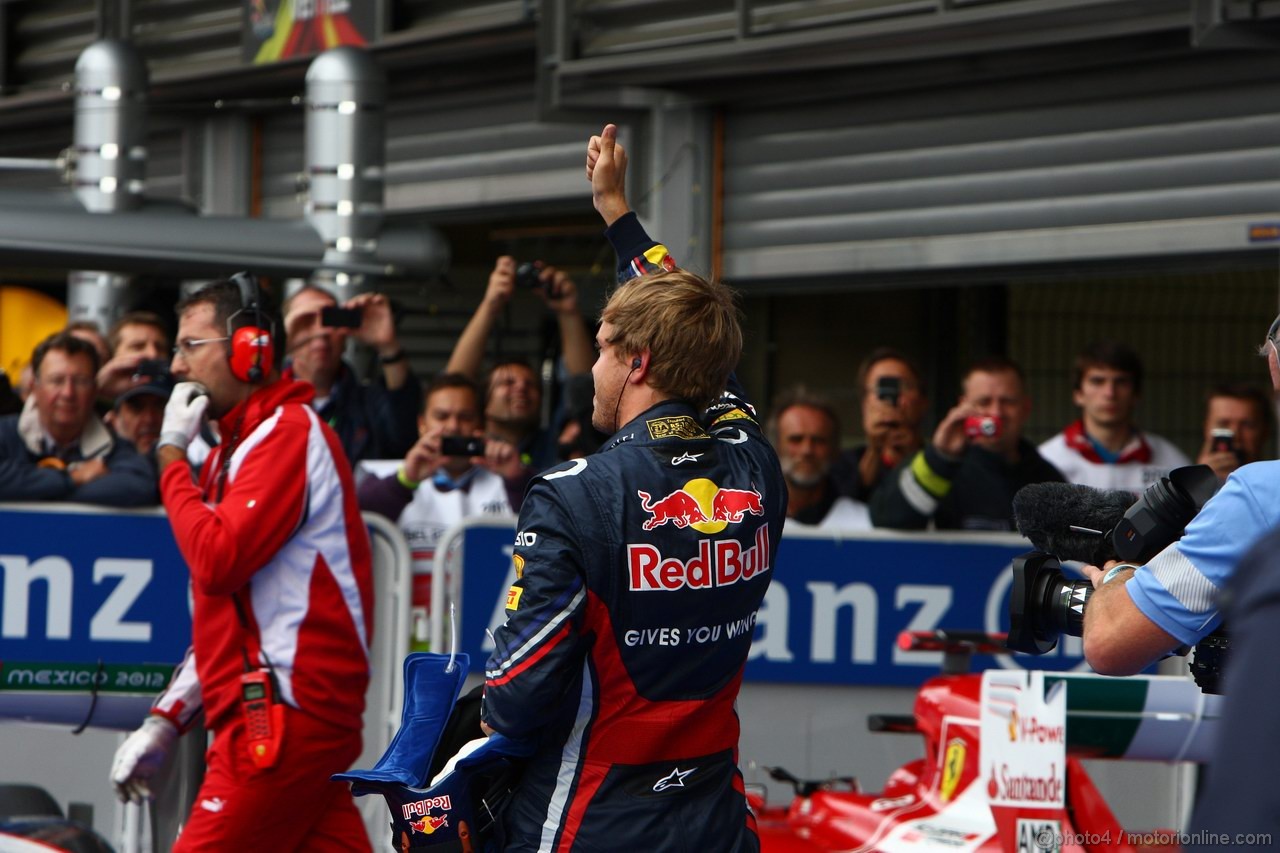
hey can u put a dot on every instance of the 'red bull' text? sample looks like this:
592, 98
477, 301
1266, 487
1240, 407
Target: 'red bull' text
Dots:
422, 808
718, 564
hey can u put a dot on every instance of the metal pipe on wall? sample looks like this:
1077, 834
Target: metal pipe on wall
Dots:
346, 149
109, 162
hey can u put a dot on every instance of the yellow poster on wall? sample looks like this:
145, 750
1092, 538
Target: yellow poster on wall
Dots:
26, 318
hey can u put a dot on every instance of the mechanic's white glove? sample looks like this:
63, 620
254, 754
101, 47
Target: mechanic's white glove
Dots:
183, 414
140, 756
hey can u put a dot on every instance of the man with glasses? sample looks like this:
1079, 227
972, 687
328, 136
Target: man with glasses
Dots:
281, 580
1138, 614
57, 448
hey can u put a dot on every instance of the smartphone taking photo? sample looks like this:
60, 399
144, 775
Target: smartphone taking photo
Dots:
1222, 440
889, 389
461, 445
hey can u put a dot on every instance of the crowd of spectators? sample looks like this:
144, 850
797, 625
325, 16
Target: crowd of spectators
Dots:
57, 447
964, 477
87, 427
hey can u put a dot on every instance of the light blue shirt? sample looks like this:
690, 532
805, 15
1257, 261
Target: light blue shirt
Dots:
1180, 589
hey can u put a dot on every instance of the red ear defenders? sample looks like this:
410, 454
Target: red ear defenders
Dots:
252, 350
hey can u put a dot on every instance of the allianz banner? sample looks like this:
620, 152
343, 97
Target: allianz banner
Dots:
834, 608
82, 586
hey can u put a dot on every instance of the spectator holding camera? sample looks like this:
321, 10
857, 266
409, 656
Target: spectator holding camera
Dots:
1104, 448
451, 472
967, 475
893, 406
805, 431
136, 337
375, 419
1238, 422
513, 396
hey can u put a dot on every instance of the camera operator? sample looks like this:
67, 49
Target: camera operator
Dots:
966, 477
1239, 794
1140, 613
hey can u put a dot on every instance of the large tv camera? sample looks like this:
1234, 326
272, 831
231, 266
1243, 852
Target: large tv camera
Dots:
1071, 522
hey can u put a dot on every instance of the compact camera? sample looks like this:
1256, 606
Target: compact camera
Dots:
527, 276
983, 426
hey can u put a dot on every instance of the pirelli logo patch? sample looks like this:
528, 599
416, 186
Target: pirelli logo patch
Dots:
513, 597
681, 426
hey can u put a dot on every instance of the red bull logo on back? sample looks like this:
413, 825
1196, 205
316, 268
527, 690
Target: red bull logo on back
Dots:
733, 504
701, 505
679, 507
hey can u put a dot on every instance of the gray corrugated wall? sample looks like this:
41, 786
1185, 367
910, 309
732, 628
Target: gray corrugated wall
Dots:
837, 177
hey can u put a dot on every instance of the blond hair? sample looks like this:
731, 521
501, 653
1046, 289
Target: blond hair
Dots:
689, 325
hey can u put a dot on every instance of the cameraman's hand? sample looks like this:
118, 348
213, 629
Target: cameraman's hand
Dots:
1096, 575
424, 458
140, 756
949, 438
607, 172
558, 290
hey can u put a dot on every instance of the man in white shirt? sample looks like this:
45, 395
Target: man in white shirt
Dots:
1104, 448
439, 483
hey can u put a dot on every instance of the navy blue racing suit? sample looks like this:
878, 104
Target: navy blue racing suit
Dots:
640, 570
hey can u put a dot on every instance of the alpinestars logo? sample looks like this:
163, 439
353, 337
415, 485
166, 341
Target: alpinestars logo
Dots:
674, 779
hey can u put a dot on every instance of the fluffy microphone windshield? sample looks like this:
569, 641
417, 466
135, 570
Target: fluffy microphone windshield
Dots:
1045, 513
